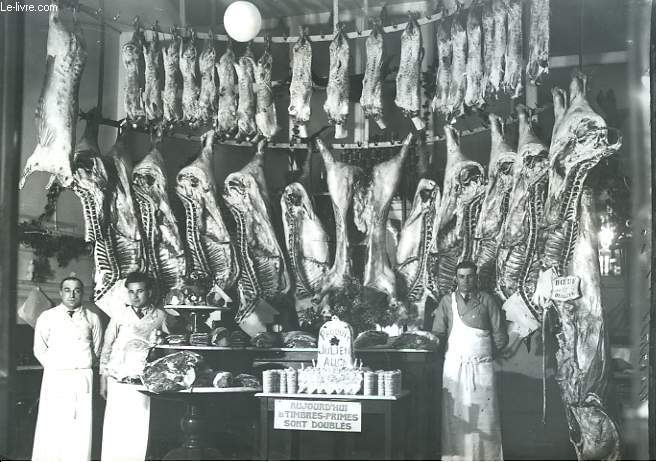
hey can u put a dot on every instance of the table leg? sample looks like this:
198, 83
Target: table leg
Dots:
192, 448
388, 433
264, 428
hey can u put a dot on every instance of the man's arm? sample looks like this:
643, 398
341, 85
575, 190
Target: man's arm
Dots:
41, 334
97, 336
441, 320
497, 323
110, 337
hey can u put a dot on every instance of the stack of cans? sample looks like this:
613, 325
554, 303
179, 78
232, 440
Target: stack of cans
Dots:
381, 382
392, 383
292, 381
283, 381
370, 383
270, 381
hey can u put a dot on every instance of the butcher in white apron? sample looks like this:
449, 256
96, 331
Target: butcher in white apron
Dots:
128, 337
471, 427
67, 342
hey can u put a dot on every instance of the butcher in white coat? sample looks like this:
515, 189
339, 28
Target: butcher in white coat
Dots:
128, 337
67, 342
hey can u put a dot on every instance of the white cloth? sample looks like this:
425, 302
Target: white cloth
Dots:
470, 413
67, 347
127, 413
127, 417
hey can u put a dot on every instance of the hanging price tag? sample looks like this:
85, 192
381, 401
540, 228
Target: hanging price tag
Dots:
566, 288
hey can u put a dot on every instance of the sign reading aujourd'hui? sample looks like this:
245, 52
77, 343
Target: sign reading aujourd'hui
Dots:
326, 416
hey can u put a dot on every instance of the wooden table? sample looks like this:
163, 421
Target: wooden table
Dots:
192, 423
391, 408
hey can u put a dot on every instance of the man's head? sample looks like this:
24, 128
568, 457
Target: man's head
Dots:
139, 290
71, 290
466, 277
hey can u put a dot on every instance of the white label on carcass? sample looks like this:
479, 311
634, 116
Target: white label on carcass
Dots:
566, 288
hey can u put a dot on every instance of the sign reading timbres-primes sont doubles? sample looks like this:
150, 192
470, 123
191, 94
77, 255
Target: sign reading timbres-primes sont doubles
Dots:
327, 416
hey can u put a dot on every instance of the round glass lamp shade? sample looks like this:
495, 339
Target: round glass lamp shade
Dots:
242, 21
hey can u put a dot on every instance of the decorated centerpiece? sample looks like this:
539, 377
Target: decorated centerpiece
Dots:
335, 371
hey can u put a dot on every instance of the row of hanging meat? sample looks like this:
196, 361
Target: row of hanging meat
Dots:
480, 55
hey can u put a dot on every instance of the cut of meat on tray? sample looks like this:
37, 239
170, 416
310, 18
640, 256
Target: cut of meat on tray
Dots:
300, 89
538, 42
408, 78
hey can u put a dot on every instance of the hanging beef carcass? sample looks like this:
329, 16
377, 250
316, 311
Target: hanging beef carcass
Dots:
521, 240
414, 280
341, 179
464, 190
580, 141
300, 89
514, 62
90, 184
306, 239
458, 81
263, 269
372, 98
227, 113
443, 76
337, 91
500, 14
246, 106
57, 110
190, 88
371, 203
207, 99
133, 61
153, 78
265, 115
408, 77
171, 96
123, 222
209, 246
164, 247
537, 67
487, 23
495, 206
475, 94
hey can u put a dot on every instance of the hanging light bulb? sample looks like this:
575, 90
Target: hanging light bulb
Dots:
242, 21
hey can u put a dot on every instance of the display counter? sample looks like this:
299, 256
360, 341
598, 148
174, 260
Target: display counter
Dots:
421, 371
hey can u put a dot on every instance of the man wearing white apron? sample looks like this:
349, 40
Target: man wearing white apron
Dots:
473, 323
67, 342
127, 340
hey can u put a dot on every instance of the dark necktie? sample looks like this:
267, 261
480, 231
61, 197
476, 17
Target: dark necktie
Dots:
139, 313
466, 297
70, 313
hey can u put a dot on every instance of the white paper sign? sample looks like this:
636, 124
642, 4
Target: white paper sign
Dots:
321, 416
335, 344
566, 288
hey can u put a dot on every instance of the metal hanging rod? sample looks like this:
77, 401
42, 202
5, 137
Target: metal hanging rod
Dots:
300, 145
97, 14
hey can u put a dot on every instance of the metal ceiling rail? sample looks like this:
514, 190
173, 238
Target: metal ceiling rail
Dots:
97, 13
300, 145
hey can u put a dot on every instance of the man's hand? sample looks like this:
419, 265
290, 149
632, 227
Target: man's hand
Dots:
103, 386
